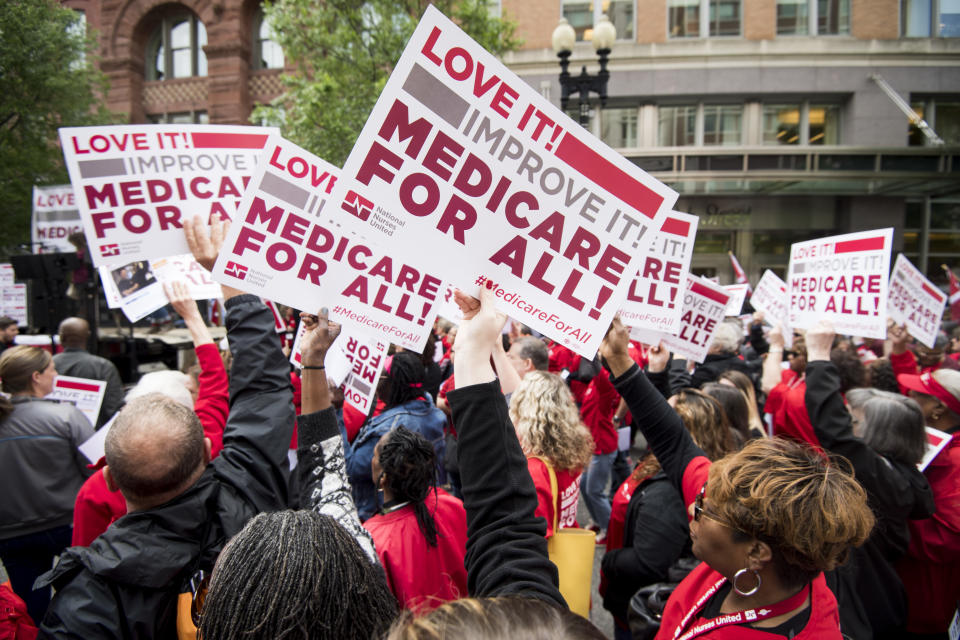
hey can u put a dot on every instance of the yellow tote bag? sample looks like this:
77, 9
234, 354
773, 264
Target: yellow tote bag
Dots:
571, 550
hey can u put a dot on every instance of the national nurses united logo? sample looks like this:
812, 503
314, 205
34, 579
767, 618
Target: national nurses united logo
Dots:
236, 270
357, 205
107, 250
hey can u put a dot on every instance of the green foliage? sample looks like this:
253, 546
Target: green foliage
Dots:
47, 81
344, 51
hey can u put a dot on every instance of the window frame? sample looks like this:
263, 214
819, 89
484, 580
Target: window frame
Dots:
813, 21
259, 18
803, 124
620, 36
706, 20
932, 28
699, 131
164, 27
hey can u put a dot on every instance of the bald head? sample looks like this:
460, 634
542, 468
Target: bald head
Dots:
155, 449
74, 332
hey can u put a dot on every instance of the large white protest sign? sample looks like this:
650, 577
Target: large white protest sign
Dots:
915, 302
55, 218
653, 297
282, 246
704, 307
7, 274
738, 293
357, 359
86, 395
843, 279
200, 285
463, 157
133, 288
136, 184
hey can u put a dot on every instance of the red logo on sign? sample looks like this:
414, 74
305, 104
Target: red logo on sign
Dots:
357, 205
107, 250
236, 270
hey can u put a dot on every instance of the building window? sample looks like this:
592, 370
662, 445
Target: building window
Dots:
184, 117
813, 17
943, 116
686, 18
702, 125
930, 236
930, 18
619, 127
801, 124
581, 13
175, 48
267, 54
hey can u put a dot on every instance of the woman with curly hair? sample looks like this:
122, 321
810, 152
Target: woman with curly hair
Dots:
767, 521
648, 526
551, 433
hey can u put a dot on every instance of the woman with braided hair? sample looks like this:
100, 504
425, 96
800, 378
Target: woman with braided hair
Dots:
421, 532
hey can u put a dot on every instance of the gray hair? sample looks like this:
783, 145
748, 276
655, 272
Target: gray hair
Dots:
726, 338
536, 351
893, 424
172, 384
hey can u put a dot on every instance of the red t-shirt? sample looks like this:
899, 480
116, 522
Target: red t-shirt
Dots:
599, 404
568, 484
563, 358
420, 576
618, 512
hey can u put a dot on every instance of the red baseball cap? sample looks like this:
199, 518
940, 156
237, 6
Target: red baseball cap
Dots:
928, 384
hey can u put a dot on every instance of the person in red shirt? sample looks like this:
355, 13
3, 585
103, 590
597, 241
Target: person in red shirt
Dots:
551, 433
931, 567
421, 531
598, 408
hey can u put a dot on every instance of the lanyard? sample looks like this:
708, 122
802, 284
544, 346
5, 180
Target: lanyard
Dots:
738, 617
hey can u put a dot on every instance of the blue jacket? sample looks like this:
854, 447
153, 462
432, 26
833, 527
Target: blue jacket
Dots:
418, 415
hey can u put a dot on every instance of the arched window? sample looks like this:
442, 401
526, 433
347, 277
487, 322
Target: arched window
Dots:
267, 53
175, 48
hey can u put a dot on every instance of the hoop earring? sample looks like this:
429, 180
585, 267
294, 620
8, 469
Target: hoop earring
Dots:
746, 594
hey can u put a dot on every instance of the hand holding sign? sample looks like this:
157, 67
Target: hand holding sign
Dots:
181, 301
205, 246
658, 357
318, 334
898, 336
819, 341
615, 347
775, 337
481, 325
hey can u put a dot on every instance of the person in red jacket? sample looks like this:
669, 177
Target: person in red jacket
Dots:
97, 506
767, 521
931, 567
421, 531
551, 433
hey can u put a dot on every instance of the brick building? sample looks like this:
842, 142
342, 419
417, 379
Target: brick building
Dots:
184, 61
764, 115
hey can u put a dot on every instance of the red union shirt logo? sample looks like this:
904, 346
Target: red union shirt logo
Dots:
107, 250
236, 270
357, 205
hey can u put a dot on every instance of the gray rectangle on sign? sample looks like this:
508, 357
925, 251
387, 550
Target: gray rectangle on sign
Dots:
799, 267
356, 383
58, 216
102, 168
286, 191
435, 95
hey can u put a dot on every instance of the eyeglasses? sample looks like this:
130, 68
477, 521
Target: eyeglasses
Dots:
700, 510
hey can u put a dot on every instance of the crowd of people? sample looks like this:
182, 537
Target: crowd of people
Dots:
768, 492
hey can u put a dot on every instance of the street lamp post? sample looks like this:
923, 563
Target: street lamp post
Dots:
604, 34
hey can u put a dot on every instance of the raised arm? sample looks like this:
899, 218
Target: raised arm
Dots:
506, 547
324, 486
660, 424
771, 371
261, 418
213, 397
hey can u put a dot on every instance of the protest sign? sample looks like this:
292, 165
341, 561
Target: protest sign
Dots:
366, 356
937, 441
646, 336
770, 298
652, 298
295, 349
55, 218
86, 395
447, 307
200, 285
133, 288
136, 184
7, 274
461, 155
278, 323
704, 306
738, 293
282, 246
13, 303
93, 447
915, 302
842, 279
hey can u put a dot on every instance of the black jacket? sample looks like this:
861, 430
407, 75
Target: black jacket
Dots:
125, 584
870, 595
506, 547
655, 535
